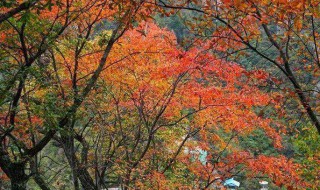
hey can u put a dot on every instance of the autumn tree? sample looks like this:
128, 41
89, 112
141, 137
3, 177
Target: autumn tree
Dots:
131, 108
33, 103
156, 107
288, 28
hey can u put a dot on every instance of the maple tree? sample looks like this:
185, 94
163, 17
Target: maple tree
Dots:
27, 40
283, 33
102, 96
154, 96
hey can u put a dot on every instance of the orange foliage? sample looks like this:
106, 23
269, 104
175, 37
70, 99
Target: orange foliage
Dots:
146, 72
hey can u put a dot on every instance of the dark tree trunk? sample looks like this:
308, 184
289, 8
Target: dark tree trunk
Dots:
68, 146
18, 177
18, 184
79, 172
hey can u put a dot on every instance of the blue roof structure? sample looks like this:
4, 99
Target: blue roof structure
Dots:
231, 183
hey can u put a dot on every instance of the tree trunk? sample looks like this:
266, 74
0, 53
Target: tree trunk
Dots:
18, 177
79, 172
18, 184
15, 171
68, 146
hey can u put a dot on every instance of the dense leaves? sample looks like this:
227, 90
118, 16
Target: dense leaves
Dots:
94, 94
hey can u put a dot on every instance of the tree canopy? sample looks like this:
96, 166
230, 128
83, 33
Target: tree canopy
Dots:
159, 94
